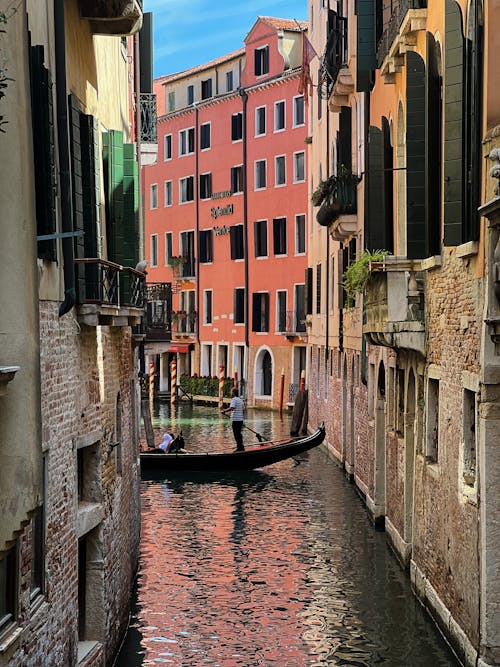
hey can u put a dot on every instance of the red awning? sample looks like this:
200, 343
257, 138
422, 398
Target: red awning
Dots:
179, 347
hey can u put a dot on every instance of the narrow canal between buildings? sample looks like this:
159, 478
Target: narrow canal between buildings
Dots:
278, 567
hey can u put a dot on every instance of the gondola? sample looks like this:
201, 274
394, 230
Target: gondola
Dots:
263, 455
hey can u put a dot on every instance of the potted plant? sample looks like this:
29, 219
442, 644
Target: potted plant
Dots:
357, 274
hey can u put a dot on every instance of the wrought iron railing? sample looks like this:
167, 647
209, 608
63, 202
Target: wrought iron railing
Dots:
341, 199
392, 26
158, 311
292, 322
334, 56
132, 288
98, 281
187, 269
149, 117
293, 390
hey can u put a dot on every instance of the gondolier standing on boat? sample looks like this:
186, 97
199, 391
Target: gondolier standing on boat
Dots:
236, 409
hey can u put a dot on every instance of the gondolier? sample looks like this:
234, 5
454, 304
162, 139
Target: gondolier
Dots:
236, 409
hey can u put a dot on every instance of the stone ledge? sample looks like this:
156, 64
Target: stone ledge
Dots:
10, 638
430, 263
468, 249
88, 439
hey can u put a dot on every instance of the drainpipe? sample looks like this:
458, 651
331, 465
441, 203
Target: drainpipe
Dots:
64, 161
197, 232
327, 267
244, 97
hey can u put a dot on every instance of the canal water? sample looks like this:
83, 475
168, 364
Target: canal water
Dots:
276, 567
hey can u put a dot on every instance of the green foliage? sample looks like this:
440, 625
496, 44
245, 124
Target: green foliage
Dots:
357, 274
205, 386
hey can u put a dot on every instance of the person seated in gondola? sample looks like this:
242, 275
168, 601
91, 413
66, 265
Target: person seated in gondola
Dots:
170, 445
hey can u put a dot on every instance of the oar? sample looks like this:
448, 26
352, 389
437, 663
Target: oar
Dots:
260, 437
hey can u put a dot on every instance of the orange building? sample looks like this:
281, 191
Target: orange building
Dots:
226, 215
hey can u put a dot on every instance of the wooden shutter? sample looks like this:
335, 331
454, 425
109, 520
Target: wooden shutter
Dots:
345, 138
265, 312
453, 125
256, 312
433, 148
366, 51
113, 191
308, 290
42, 117
416, 246
375, 231
130, 247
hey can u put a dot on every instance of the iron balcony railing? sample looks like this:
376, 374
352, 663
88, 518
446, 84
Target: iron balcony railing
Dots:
149, 118
334, 56
158, 311
132, 288
393, 25
291, 323
341, 198
98, 281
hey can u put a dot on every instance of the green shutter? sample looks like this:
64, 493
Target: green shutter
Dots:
366, 52
453, 125
433, 148
375, 222
113, 179
76, 174
416, 246
130, 249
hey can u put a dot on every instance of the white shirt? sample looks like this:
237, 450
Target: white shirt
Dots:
237, 412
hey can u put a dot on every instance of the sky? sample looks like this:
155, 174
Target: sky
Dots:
192, 32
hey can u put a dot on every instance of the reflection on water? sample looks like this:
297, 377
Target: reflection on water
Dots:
278, 567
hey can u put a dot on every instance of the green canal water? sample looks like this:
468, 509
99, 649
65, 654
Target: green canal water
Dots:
276, 567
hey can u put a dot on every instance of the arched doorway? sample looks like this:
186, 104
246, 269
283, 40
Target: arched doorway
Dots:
379, 476
409, 426
264, 373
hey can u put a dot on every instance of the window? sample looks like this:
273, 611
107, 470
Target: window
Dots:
300, 234
154, 249
205, 136
168, 248
318, 289
167, 147
332, 286
190, 94
300, 308
261, 61
207, 306
281, 311
236, 179
186, 141
260, 236
229, 81
260, 311
206, 89
299, 172
186, 189
279, 116
37, 553
432, 421
469, 437
280, 170
205, 186
168, 193
171, 101
279, 236
236, 238
237, 126
206, 246
153, 196
298, 111
260, 121
8, 586
260, 174
187, 251
239, 305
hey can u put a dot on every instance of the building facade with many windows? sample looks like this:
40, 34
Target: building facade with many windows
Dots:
226, 215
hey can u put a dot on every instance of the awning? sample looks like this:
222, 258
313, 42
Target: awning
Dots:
179, 347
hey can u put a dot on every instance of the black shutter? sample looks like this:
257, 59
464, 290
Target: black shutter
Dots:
265, 314
388, 186
76, 174
233, 239
453, 125
265, 64
376, 230
276, 236
345, 138
366, 46
318, 289
146, 53
433, 148
416, 246
43, 151
308, 291
256, 62
256, 312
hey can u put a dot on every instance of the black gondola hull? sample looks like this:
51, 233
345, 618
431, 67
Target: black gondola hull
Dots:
250, 459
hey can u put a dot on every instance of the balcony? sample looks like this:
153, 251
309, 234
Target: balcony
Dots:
399, 36
394, 305
334, 59
158, 312
338, 198
292, 323
7, 374
149, 129
183, 323
108, 293
112, 17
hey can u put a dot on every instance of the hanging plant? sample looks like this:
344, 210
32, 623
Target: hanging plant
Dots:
357, 274
176, 260
324, 189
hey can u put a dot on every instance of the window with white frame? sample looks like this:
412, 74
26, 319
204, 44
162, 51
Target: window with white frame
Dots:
239, 305
298, 111
206, 89
261, 61
153, 196
168, 193
469, 438
260, 238
229, 81
186, 189
432, 421
299, 170
206, 359
186, 141
237, 126
260, 174
167, 147
168, 248
190, 94
205, 186
8, 588
204, 136
154, 249
207, 306
279, 170
171, 101
260, 311
281, 298
279, 236
260, 121
237, 179
300, 234
279, 116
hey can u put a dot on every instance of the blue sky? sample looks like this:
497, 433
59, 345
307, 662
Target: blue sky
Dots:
191, 32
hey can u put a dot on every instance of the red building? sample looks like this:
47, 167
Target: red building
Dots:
226, 214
